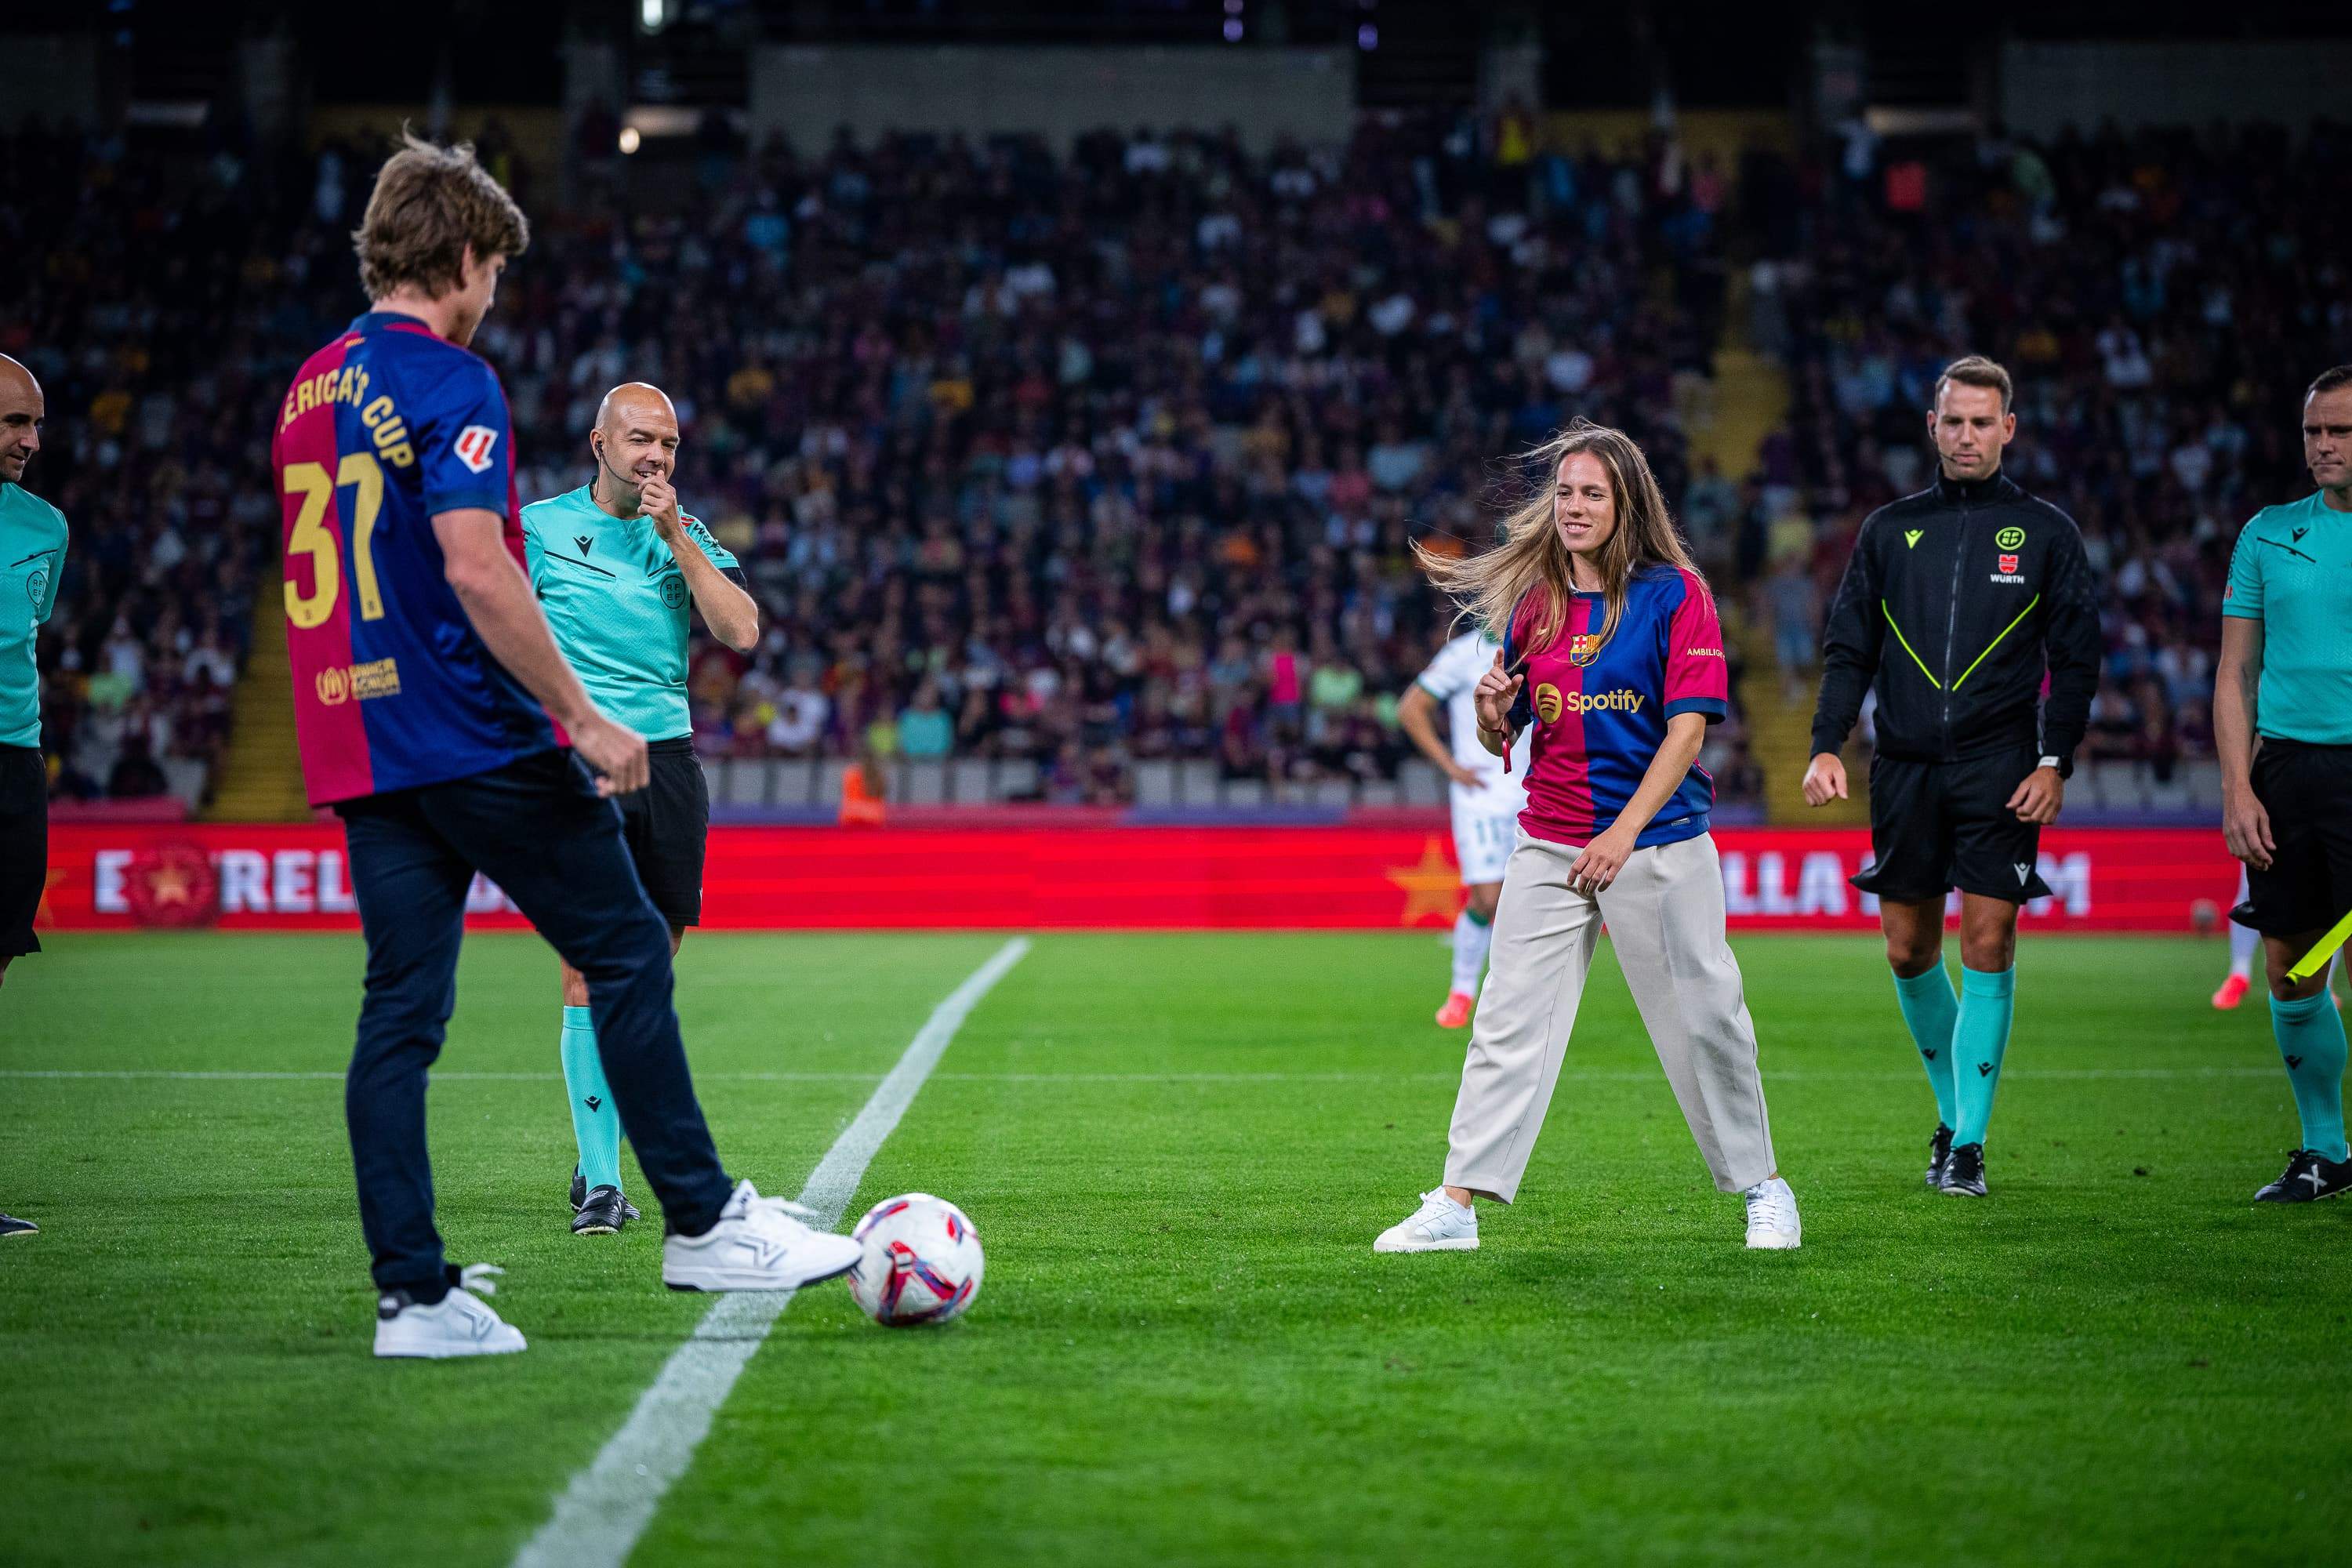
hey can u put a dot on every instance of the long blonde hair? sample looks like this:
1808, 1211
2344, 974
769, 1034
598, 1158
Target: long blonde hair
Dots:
1532, 559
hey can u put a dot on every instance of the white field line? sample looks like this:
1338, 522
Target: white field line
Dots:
598, 1518
1796, 1075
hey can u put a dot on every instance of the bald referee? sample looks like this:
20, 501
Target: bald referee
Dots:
615, 565
2282, 724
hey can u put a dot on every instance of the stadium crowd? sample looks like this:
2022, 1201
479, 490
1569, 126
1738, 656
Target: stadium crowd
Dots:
1118, 456
136, 289
1087, 460
2162, 299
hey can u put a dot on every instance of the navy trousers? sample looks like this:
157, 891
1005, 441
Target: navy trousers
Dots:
538, 829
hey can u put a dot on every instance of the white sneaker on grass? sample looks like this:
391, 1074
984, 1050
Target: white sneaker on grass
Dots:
759, 1244
1439, 1225
459, 1324
1772, 1223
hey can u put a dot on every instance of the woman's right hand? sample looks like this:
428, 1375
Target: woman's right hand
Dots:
1493, 697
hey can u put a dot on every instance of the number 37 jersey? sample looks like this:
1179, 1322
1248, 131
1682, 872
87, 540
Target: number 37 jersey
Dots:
385, 426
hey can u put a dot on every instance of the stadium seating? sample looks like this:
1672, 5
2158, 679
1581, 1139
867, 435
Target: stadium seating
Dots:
1125, 501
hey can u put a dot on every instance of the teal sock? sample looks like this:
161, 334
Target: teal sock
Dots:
1930, 1009
2311, 1038
1978, 1040
594, 1123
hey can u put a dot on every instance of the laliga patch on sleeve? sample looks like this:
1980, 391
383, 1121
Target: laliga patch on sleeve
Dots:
474, 444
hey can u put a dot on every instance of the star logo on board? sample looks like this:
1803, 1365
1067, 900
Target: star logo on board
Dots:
172, 885
1431, 888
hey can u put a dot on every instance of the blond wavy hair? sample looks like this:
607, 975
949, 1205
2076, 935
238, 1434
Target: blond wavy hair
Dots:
1533, 560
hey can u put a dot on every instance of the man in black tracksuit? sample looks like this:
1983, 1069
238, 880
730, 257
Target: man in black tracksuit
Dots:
1953, 602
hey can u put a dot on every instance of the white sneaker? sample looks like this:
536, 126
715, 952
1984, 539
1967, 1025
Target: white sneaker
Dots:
461, 1323
759, 1244
1772, 1223
1439, 1225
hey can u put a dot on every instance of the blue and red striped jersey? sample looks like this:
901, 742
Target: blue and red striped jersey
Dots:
1600, 709
383, 428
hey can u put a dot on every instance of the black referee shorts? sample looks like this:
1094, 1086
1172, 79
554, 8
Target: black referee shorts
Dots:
2307, 790
24, 845
1935, 826
666, 825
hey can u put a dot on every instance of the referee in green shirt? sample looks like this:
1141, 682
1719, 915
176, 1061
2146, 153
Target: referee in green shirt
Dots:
32, 556
615, 565
2282, 724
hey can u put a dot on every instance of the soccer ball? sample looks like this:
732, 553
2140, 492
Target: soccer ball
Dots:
922, 1262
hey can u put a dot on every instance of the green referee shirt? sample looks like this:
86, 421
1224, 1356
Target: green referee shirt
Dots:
619, 604
32, 559
2293, 571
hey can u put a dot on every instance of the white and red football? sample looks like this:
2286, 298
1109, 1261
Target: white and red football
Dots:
922, 1262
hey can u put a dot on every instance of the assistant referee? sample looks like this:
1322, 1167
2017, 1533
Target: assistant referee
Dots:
615, 565
2282, 726
1955, 603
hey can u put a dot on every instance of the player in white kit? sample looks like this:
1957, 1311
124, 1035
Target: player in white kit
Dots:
1487, 800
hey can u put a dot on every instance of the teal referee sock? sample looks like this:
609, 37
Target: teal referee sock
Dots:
1930, 1010
1979, 1041
2311, 1040
595, 1125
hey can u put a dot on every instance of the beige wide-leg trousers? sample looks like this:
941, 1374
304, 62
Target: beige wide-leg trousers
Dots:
1665, 920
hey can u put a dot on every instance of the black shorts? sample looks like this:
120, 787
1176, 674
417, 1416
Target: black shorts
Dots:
1935, 826
665, 826
24, 845
2307, 790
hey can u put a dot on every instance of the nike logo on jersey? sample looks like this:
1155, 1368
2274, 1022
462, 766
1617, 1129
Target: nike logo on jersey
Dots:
586, 542
1911, 537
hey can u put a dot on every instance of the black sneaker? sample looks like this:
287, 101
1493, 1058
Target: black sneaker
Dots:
11, 1225
1939, 1154
580, 1196
1964, 1171
2308, 1176
604, 1214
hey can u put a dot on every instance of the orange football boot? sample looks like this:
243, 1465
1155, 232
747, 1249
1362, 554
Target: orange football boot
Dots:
1455, 1014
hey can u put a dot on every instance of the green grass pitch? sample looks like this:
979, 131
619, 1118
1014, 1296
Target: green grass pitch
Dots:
1178, 1150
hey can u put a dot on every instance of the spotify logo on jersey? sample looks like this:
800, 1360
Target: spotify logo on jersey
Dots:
1551, 704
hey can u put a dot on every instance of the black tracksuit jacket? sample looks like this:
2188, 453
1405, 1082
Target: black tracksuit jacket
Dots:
1952, 601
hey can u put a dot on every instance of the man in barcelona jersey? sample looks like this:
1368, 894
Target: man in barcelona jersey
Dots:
424, 676
1487, 801
615, 565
